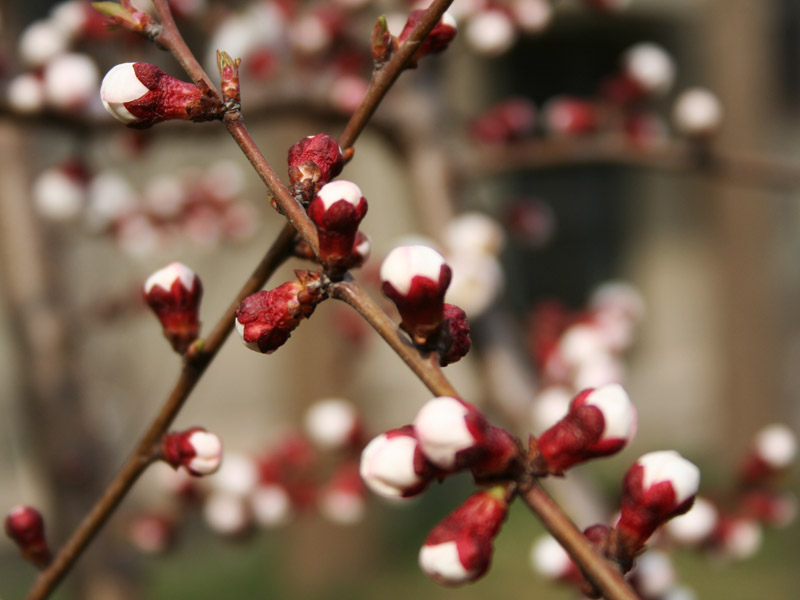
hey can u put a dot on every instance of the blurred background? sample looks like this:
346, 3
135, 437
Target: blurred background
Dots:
705, 226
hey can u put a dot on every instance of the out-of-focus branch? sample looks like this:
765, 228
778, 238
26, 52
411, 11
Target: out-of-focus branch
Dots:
675, 156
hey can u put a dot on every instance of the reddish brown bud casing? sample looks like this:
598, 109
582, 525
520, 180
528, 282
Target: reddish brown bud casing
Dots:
25, 525
437, 40
174, 294
141, 95
313, 162
266, 319
459, 549
455, 340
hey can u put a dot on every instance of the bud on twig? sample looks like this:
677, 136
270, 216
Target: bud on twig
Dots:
415, 278
455, 435
229, 79
384, 44
24, 525
266, 319
333, 424
125, 14
436, 41
773, 451
196, 449
337, 210
659, 486
141, 95
313, 162
174, 294
459, 549
393, 465
600, 422
455, 340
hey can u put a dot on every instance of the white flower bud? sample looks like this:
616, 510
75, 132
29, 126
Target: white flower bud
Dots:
697, 112
473, 233
549, 406
619, 414
490, 32
442, 563
532, 16
111, 198
332, 423
271, 505
776, 445
332, 192
549, 558
226, 514
443, 431
654, 574
238, 476
40, 42
165, 277
208, 452
404, 263
121, 85
650, 66
58, 196
25, 94
387, 465
668, 465
339, 506
696, 525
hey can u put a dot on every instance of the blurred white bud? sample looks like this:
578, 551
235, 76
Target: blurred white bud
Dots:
40, 42
25, 94
490, 32
71, 81
697, 112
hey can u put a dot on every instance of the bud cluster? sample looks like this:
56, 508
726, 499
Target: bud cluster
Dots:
416, 279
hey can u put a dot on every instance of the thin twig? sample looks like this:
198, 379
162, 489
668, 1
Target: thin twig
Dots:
426, 368
385, 77
596, 569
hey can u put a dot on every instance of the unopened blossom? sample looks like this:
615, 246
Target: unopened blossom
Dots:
152, 533
477, 281
59, 193
436, 41
736, 538
473, 233
600, 422
40, 42
659, 486
342, 500
532, 16
70, 81
195, 449
25, 525
333, 424
313, 162
416, 278
337, 211
549, 559
174, 294
695, 525
509, 120
393, 465
227, 514
266, 319
773, 451
271, 505
454, 434
459, 548
566, 116
697, 113
650, 67
491, 32
141, 95
455, 338
25, 93
653, 576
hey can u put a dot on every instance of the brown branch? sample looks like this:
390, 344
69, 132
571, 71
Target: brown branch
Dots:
675, 156
426, 368
384, 78
596, 568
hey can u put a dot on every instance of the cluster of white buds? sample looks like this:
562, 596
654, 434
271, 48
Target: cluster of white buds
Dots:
448, 435
587, 348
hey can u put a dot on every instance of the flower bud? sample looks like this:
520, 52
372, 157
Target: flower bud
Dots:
25, 93
174, 294
196, 449
659, 486
697, 113
227, 514
459, 548
770, 508
25, 525
653, 575
333, 424
455, 337
736, 538
549, 559
491, 32
565, 116
152, 533
695, 525
271, 505
415, 278
393, 465
451, 432
266, 319
59, 193
436, 41
532, 16
313, 162
342, 499
141, 95
510, 120
649, 67
773, 451
600, 422
337, 210
70, 81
